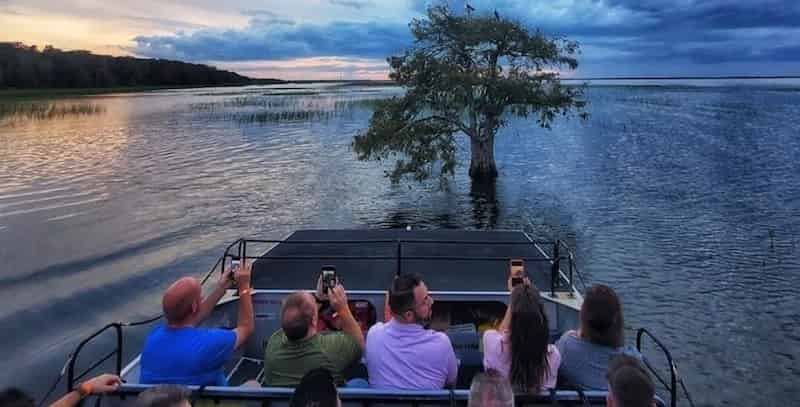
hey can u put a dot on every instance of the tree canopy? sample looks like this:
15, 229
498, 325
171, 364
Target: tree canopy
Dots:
462, 77
26, 67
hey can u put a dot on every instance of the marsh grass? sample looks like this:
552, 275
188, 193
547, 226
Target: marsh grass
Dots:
43, 110
273, 109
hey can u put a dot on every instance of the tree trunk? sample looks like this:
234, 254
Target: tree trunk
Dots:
482, 166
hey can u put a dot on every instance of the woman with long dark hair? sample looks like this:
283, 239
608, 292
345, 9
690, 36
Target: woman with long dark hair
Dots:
519, 349
587, 352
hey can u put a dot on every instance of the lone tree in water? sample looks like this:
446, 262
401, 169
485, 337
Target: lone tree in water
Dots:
461, 76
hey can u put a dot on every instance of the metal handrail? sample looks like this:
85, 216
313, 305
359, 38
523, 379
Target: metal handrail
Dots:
673, 387
71, 377
241, 253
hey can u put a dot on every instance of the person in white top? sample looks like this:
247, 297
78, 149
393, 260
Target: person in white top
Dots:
519, 349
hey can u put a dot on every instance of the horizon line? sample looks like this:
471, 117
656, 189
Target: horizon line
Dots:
689, 77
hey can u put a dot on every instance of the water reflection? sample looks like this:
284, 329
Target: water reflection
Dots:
47, 110
682, 200
485, 207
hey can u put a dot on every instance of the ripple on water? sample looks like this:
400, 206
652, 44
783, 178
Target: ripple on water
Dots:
683, 199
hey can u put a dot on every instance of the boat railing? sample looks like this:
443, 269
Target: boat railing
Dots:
560, 252
672, 387
270, 396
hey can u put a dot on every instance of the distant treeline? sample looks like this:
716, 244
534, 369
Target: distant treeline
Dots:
26, 67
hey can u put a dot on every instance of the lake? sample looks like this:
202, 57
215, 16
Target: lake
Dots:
683, 197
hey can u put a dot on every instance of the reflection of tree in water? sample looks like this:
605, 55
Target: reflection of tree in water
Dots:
485, 208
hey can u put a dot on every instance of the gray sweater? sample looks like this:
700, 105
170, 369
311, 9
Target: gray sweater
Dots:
584, 364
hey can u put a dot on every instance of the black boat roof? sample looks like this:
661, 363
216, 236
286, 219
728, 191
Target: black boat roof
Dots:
448, 260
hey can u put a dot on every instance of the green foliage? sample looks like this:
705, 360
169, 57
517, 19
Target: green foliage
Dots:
463, 76
24, 67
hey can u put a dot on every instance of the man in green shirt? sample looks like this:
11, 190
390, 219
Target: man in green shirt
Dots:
298, 348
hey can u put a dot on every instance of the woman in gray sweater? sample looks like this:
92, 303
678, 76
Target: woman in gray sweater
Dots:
587, 352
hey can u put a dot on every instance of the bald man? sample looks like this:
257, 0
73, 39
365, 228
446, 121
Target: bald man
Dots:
177, 352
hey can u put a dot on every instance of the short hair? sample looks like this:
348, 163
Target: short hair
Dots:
629, 382
14, 397
169, 395
297, 314
401, 293
316, 389
490, 389
601, 317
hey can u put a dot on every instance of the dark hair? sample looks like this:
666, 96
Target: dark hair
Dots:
490, 389
316, 389
601, 317
168, 395
629, 382
297, 314
529, 336
14, 397
401, 294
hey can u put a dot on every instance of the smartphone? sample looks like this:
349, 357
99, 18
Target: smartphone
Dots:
235, 263
329, 278
517, 267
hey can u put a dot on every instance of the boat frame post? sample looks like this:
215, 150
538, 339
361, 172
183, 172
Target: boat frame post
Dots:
555, 268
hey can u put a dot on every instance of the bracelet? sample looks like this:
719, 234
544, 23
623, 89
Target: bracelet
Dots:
245, 291
85, 389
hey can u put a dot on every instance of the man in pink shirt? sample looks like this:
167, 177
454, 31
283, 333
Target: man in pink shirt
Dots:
401, 354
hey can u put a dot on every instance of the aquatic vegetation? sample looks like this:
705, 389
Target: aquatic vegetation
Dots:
276, 108
46, 110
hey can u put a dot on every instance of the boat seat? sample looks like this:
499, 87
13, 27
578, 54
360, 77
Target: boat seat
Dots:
254, 347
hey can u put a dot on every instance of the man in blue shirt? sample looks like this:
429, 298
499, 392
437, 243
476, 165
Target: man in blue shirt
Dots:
178, 353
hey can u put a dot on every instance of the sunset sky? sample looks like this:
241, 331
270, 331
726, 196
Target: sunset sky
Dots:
331, 39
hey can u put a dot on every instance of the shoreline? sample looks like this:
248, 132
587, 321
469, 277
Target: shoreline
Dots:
14, 93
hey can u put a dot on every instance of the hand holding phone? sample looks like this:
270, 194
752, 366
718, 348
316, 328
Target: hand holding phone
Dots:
329, 279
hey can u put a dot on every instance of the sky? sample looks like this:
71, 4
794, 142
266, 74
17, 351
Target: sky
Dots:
350, 39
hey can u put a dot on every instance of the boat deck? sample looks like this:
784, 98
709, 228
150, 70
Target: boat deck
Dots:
371, 263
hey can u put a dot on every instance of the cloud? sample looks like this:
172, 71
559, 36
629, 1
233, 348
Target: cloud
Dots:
304, 68
655, 36
277, 39
356, 4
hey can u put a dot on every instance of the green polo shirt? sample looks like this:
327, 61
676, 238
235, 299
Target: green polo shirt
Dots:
285, 362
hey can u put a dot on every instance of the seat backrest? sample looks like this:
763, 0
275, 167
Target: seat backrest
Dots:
363, 397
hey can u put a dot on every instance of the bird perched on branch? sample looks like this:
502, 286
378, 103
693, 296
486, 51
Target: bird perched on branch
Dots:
469, 9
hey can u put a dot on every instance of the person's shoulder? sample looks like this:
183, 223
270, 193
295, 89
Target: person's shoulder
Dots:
376, 329
335, 337
568, 338
277, 337
492, 334
629, 350
213, 336
212, 332
440, 338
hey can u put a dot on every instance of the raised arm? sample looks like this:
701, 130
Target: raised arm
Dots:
246, 323
350, 327
208, 304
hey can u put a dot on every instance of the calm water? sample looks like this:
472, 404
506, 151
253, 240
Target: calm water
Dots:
686, 199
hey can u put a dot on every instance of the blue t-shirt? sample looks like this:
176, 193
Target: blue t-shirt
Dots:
188, 356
